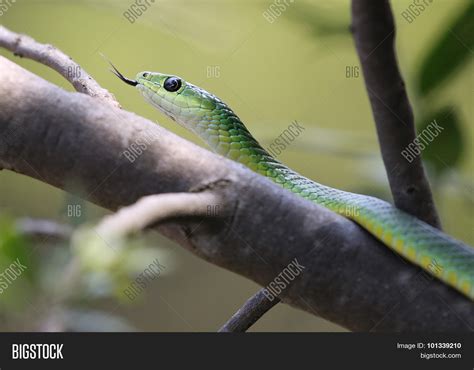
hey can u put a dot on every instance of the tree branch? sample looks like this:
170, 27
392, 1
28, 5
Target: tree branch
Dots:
61, 138
154, 209
374, 35
255, 307
25, 46
40, 229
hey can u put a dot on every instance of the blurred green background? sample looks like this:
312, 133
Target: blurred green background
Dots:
270, 73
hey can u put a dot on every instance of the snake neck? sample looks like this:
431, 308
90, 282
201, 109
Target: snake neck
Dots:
225, 133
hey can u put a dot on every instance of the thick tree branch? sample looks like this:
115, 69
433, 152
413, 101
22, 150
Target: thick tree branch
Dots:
374, 35
61, 138
25, 46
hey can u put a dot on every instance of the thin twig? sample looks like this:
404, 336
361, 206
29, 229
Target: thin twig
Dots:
153, 209
36, 228
25, 46
249, 313
374, 35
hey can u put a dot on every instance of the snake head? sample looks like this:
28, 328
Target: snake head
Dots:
182, 101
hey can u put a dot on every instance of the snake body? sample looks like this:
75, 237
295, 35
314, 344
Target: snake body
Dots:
442, 256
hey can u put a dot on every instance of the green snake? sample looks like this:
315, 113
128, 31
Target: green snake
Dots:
449, 260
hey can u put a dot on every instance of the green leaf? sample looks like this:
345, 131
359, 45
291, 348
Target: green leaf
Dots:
441, 135
449, 53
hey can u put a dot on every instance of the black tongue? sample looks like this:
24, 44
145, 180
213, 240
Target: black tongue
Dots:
119, 75
122, 77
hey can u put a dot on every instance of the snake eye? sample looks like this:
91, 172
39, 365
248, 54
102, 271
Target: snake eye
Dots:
172, 84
